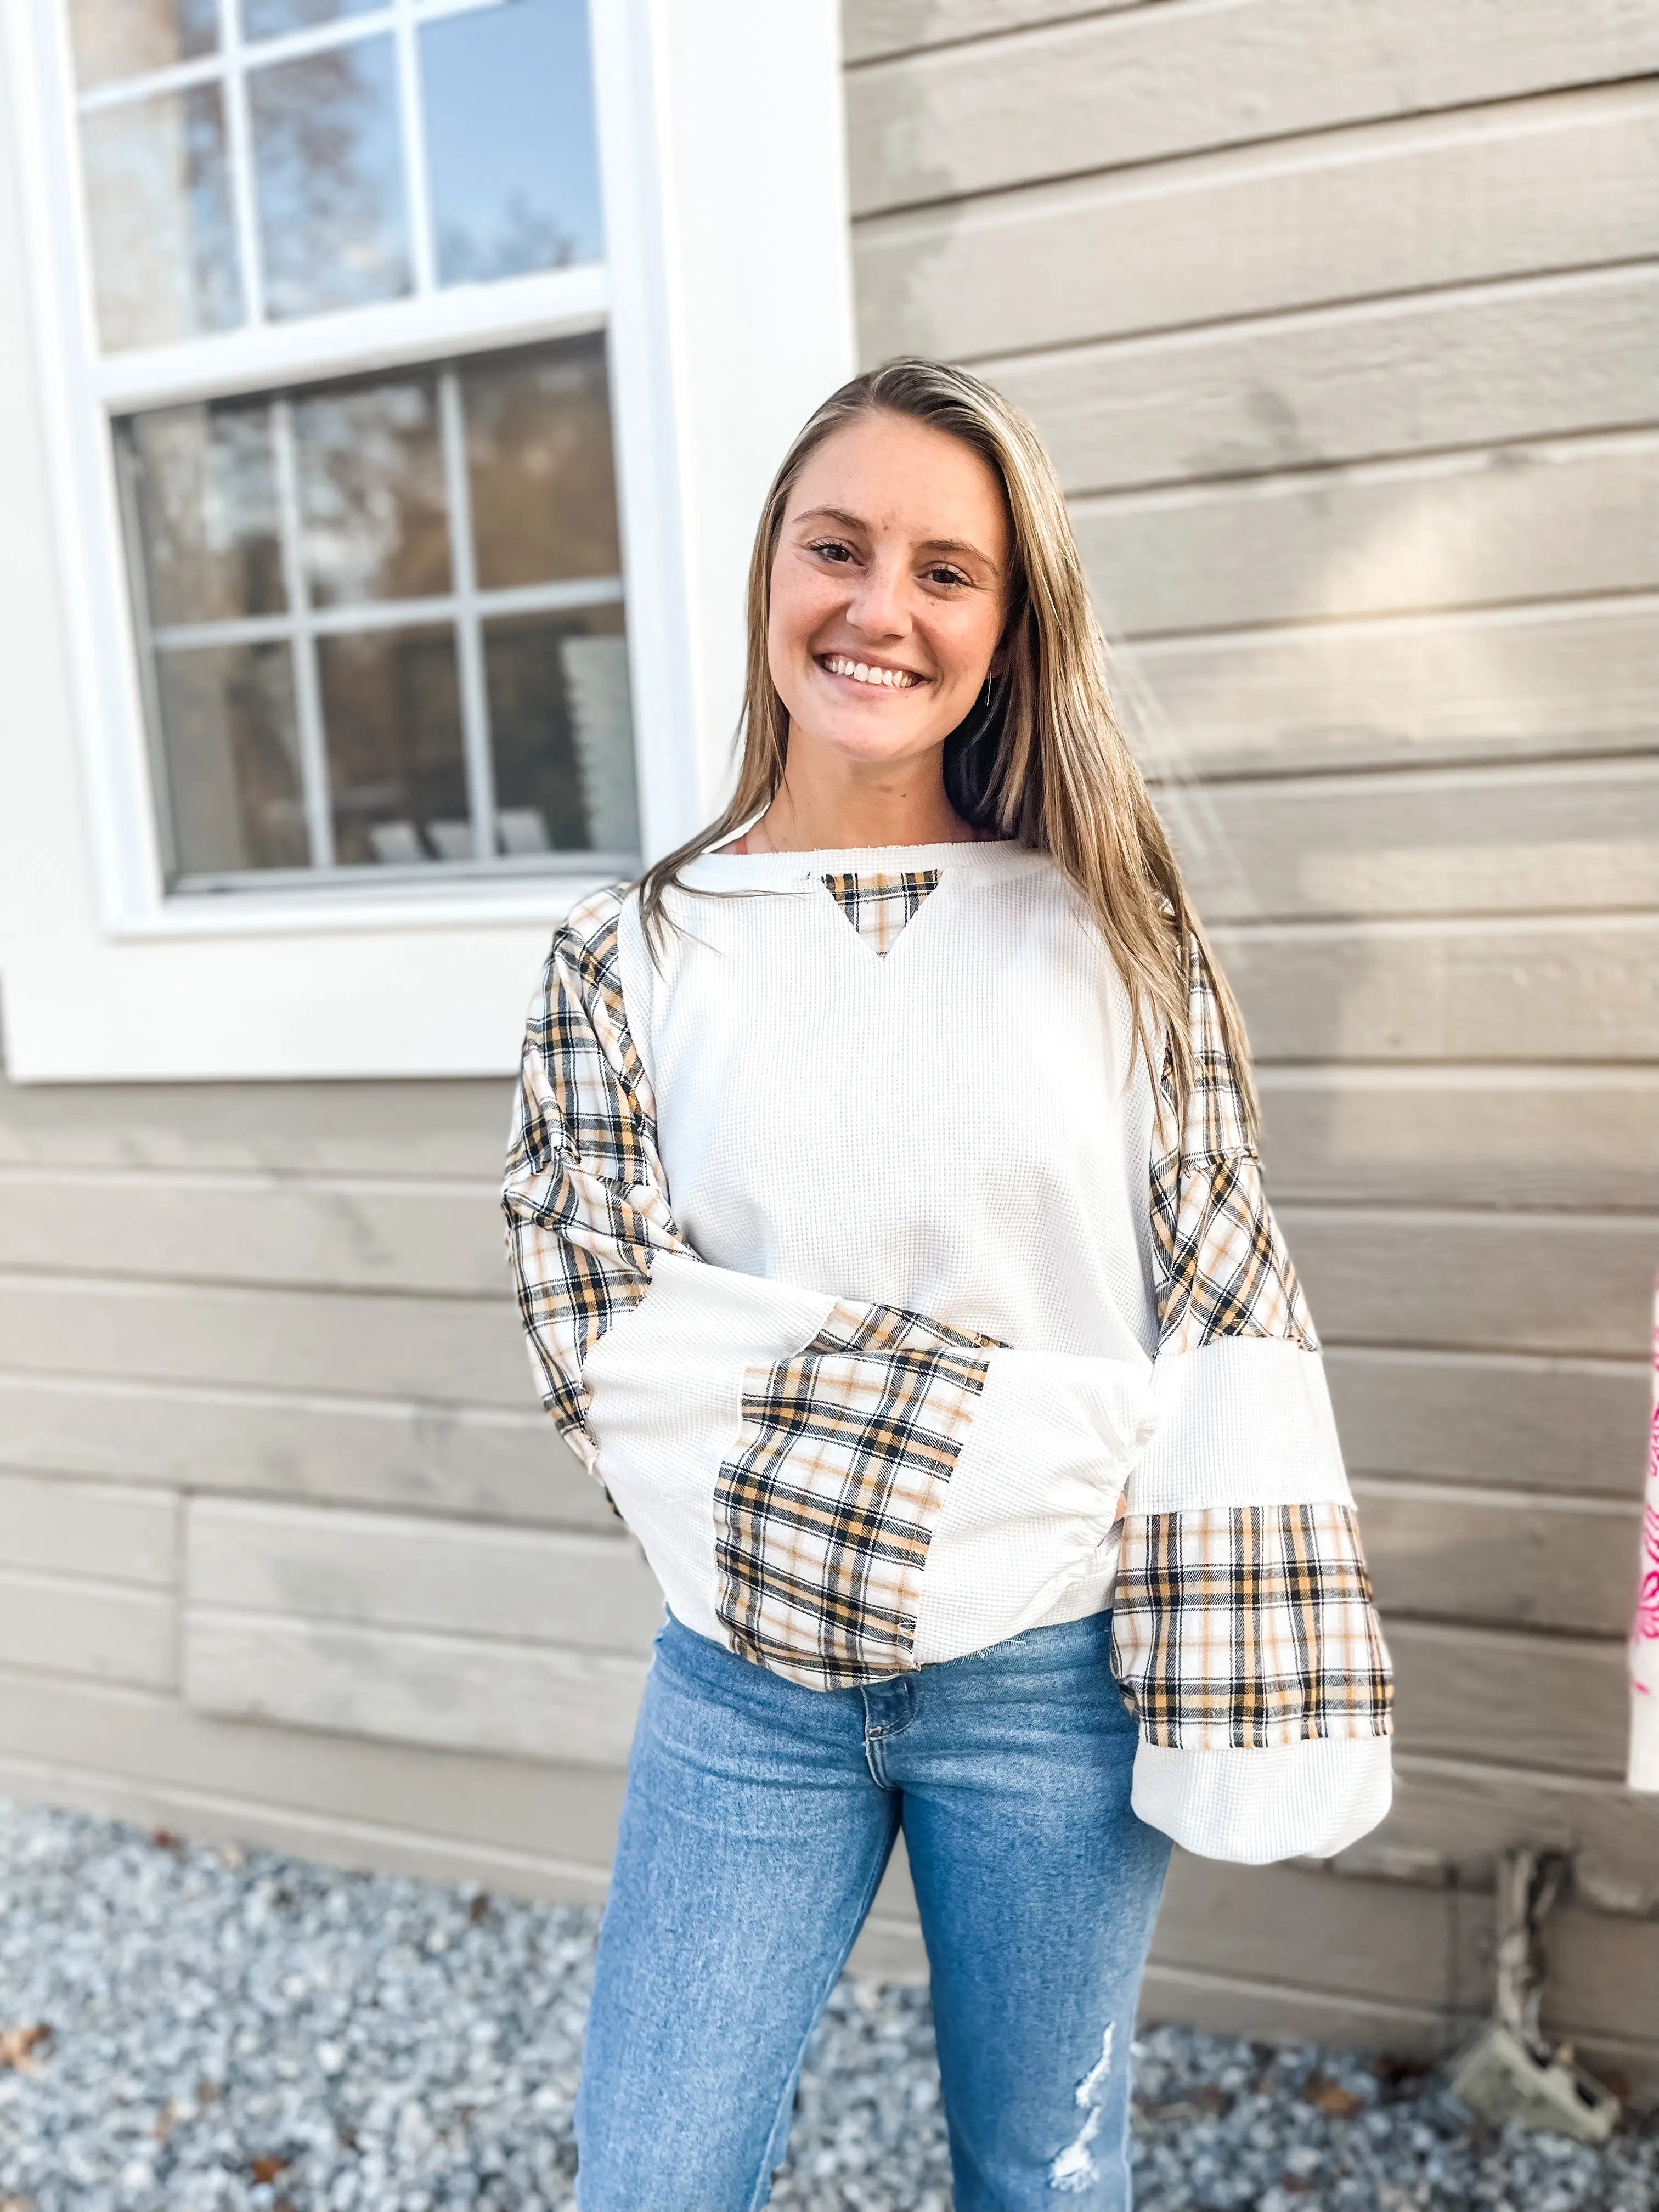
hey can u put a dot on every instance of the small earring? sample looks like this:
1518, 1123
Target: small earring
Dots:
986, 701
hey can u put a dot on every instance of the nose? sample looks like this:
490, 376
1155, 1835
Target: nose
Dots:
878, 607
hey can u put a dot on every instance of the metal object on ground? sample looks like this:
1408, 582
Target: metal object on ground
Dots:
1510, 2072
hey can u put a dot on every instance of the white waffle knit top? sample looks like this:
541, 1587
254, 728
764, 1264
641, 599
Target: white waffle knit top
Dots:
865, 1262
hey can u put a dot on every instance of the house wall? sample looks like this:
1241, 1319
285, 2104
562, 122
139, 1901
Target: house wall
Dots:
1337, 321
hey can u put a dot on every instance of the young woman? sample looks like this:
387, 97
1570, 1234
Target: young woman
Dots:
888, 1233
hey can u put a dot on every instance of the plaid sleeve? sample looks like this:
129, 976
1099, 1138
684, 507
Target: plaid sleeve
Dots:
1249, 1626
587, 1206
1222, 1268
1238, 1625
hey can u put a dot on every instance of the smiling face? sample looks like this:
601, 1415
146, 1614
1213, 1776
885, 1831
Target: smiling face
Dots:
888, 589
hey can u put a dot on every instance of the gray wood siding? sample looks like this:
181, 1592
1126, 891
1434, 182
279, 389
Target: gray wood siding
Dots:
1341, 323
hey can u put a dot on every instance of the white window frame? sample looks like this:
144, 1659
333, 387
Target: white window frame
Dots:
725, 296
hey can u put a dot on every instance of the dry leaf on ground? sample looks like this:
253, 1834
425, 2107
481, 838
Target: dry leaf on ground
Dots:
16, 2043
1331, 2097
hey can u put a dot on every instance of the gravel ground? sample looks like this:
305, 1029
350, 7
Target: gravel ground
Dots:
231, 2033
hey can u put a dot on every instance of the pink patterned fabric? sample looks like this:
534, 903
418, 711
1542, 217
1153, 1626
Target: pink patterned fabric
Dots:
1644, 1632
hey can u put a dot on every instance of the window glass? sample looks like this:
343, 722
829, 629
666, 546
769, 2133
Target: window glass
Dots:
539, 464
328, 169
509, 140
269, 19
392, 707
503, 169
371, 480
159, 208
230, 744
127, 38
562, 733
204, 481
317, 568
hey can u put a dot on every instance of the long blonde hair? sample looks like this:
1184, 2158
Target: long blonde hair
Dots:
1046, 763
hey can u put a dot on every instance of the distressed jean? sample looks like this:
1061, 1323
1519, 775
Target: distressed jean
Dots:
759, 1817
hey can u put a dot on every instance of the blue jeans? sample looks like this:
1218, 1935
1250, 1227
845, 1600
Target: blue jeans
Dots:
758, 1819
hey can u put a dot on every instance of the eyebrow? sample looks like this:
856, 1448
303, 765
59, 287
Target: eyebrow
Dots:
928, 545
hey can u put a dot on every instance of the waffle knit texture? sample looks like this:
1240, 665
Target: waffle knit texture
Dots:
882, 1284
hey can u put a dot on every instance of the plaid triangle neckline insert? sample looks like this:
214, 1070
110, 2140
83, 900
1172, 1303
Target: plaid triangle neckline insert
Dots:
880, 906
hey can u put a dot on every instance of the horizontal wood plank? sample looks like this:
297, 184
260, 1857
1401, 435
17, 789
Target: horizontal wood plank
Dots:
1603, 1973
1566, 181
1500, 840
1453, 1819
1575, 1425
1559, 680
1505, 1557
1521, 1138
329, 1236
456, 1693
1483, 365
391, 1571
431, 1351
97, 1529
139, 1738
1352, 1942
456, 1129
1528, 522
1288, 1924
1563, 989
266, 1255
1478, 1693
73, 1625
501, 1466
1603, 1976
1268, 2012
207, 1815
871, 29
1531, 1282
1144, 85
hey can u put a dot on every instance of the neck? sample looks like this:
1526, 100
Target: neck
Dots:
830, 803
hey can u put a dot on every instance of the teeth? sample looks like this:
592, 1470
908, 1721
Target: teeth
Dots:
896, 679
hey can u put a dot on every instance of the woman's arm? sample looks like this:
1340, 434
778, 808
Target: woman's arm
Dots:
1244, 1634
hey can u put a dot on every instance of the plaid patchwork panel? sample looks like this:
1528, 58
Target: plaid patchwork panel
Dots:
823, 1515
586, 1204
1222, 1266
880, 906
1248, 1625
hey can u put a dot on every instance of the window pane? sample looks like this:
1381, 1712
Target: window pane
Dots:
562, 733
346, 485
269, 19
329, 167
538, 454
204, 501
158, 202
128, 37
392, 707
371, 492
233, 760
509, 140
